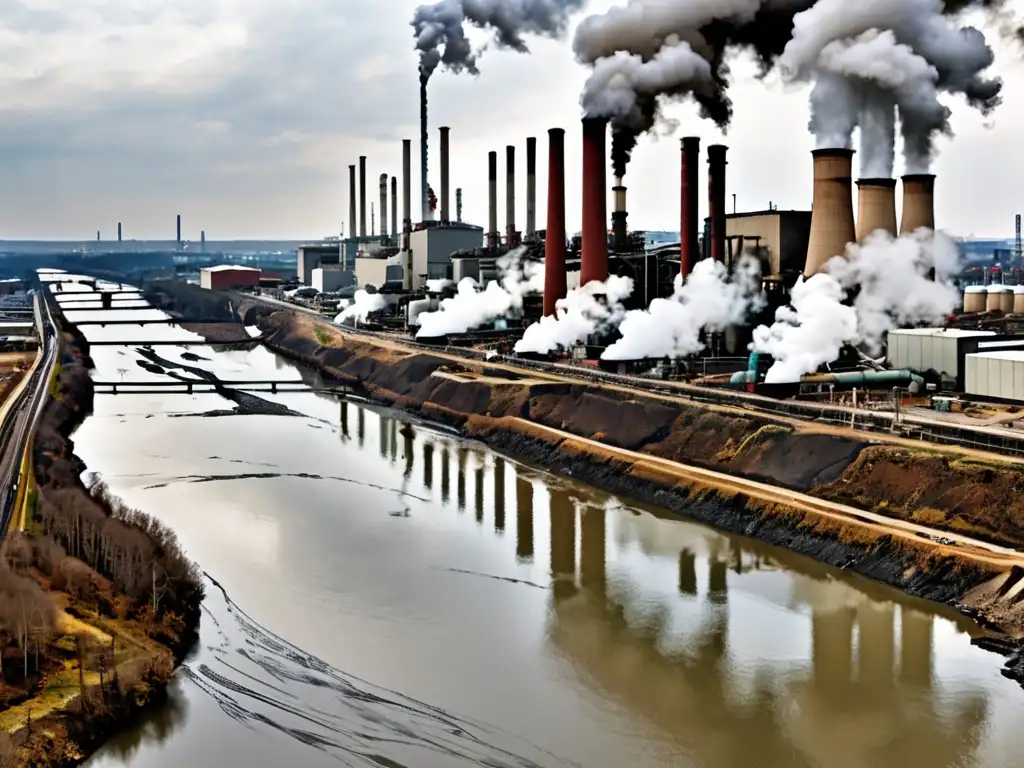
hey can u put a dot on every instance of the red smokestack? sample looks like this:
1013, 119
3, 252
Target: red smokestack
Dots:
689, 211
554, 240
595, 201
716, 199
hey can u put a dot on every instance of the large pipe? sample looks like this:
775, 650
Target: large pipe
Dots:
511, 235
352, 231
918, 203
362, 195
531, 187
492, 200
444, 174
876, 207
689, 204
595, 201
406, 190
383, 206
554, 238
716, 199
394, 209
832, 227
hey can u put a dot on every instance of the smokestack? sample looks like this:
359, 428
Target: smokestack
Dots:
619, 216
383, 206
119, 231
406, 191
531, 187
425, 187
595, 201
394, 209
352, 231
689, 204
876, 207
362, 195
918, 203
716, 199
832, 227
458, 205
554, 238
511, 235
492, 200
179, 230
444, 174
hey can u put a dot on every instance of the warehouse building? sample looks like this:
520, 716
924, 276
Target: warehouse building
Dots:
942, 351
226, 277
996, 375
778, 237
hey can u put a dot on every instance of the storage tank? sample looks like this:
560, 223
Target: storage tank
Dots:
994, 299
1018, 300
974, 298
1006, 300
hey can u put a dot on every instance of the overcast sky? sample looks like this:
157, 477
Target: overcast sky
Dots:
243, 116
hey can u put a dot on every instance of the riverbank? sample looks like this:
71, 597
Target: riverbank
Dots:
114, 604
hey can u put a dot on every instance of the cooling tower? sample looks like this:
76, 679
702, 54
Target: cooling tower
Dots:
876, 207
974, 299
531, 187
918, 203
1018, 300
554, 237
362, 195
688, 204
595, 201
352, 231
406, 191
511, 234
444, 174
383, 206
492, 200
716, 199
832, 227
994, 298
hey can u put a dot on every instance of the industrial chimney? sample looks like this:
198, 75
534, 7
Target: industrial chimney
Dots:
492, 200
394, 209
619, 231
595, 201
716, 199
511, 234
179, 231
531, 187
444, 174
458, 205
352, 231
119, 231
688, 204
832, 227
406, 191
383, 207
362, 195
876, 207
554, 237
918, 203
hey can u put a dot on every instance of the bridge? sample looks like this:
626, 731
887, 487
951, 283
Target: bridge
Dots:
94, 295
194, 386
168, 342
153, 321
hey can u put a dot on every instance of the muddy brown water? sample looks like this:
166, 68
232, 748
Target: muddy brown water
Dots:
389, 595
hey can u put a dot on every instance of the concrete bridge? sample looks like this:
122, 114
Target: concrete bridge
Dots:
152, 321
193, 386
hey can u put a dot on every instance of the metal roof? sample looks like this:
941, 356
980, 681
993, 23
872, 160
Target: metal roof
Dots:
948, 333
1010, 354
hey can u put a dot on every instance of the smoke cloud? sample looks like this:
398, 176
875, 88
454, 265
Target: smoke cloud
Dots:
440, 31
895, 288
362, 305
709, 300
582, 312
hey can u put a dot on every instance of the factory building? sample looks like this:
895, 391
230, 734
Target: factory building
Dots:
996, 374
431, 249
943, 351
314, 255
228, 276
778, 238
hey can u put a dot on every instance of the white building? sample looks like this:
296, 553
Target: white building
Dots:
998, 375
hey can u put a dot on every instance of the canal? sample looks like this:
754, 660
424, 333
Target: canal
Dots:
383, 593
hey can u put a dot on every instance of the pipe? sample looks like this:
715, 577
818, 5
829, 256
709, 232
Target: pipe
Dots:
383, 207
918, 203
554, 238
492, 200
352, 231
394, 209
876, 207
531, 187
595, 203
444, 174
832, 227
863, 377
688, 204
716, 199
511, 235
406, 191
362, 195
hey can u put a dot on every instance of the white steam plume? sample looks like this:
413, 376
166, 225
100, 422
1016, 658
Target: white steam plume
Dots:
708, 300
362, 305
583, 311
470, 308
895, 288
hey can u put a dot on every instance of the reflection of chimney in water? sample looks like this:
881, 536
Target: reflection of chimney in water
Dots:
499, 495
446, 485
382, 423
407, 448
832, 649
478, 492
563, 542
687, 572
428, 466
524, 518
592, 548
915, 647
361, 426
460, 483
393, 439
718, 586
344, 419
876, 653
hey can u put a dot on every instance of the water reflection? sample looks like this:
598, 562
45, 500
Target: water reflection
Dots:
524, 518
155, 729
499, 495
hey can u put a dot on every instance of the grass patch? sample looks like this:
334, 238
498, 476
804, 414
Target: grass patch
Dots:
323, 338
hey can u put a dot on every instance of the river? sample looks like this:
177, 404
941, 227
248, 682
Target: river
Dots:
384, 593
